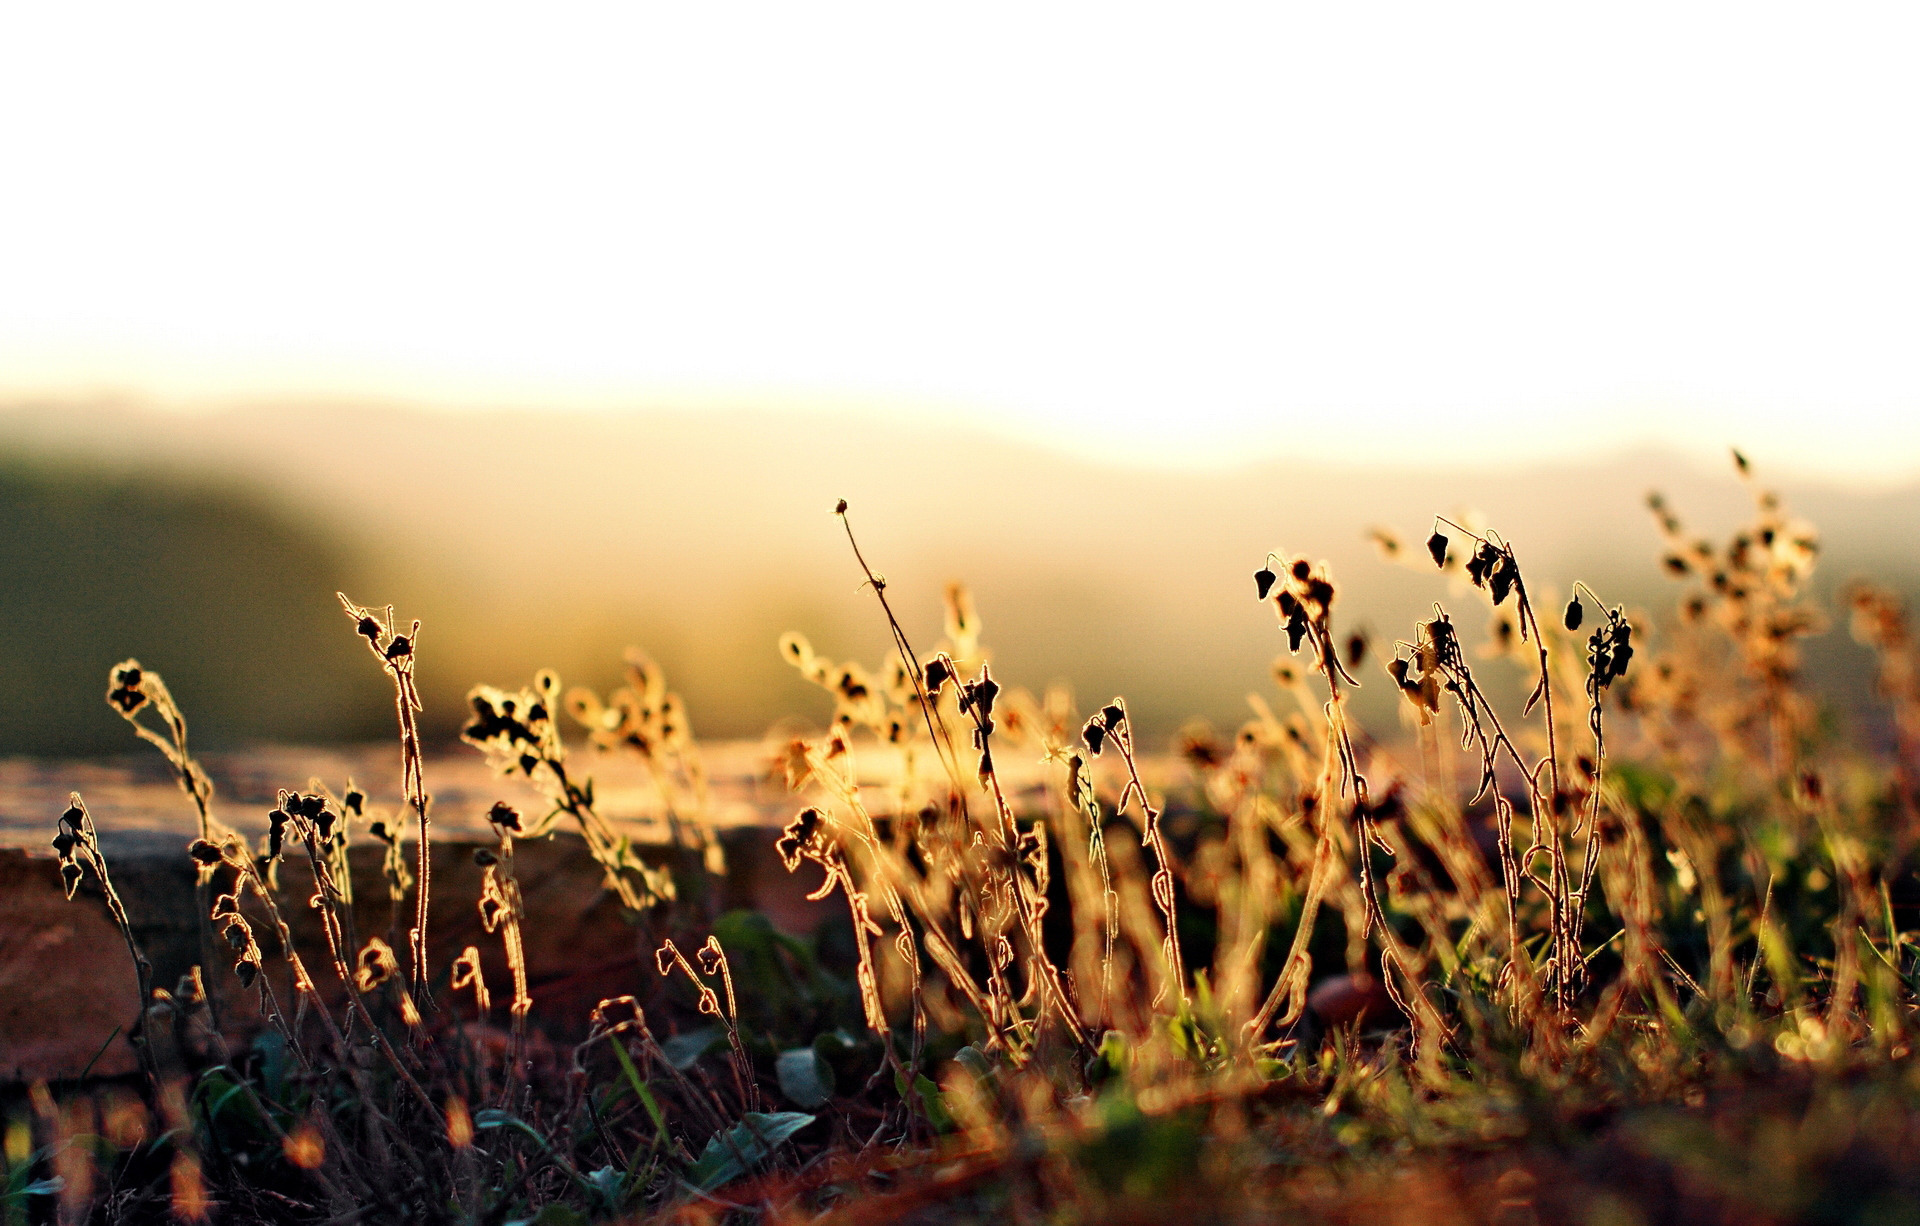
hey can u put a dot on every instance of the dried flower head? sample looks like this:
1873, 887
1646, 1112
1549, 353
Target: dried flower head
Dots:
375, 965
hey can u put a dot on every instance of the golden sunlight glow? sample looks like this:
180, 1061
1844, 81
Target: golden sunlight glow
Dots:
1178, 234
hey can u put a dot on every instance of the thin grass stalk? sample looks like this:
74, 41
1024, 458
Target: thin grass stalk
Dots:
1083, 850
1120, 731
79, 844
1041, 970
131, 690
396, 654
667, 957
836, 769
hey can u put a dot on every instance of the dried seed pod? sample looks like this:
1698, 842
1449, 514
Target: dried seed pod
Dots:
936, 675
1296, 630
1263, 580
1501, 574
127, 693
1430, 693
979, 695
1575, 613
376, 965
1095, 736
276, 832
1622, 656
1437, 548
801, 837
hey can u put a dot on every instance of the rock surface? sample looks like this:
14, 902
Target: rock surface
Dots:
66, 982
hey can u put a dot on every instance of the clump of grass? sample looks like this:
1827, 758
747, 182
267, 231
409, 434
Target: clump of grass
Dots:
647, 720
519, 732
1306, 970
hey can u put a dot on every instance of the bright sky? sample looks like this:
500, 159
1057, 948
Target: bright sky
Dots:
1183, 233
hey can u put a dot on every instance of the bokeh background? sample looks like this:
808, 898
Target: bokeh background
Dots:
565, 333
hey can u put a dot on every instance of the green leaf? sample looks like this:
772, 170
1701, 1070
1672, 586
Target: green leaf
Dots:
804, 1076
683, 1049
493, 1117
731, 1153
641, 1092
607, 1181
19, 1187
971, 1059
225, 1102
934, 1103
271, 1048
225, 1096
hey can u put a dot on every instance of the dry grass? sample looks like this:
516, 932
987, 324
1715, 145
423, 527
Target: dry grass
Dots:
1634, 942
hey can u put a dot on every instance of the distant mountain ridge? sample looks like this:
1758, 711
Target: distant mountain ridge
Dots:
537, 538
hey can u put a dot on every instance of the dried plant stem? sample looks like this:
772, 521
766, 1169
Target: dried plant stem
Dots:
132, 690
516, 950
836, 770
603, 841
1040, 968
1397, 961
712, 957
332, 911
1291, 986
77, 825
502, 909
396, 653
936, 727
1565, 963
1082, 867
1161, 885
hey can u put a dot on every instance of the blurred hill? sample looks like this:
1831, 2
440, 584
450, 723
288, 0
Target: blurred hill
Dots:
530, 539
208, 577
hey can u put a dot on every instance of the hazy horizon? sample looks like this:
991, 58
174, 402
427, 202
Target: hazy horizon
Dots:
1362, 456
539, 539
